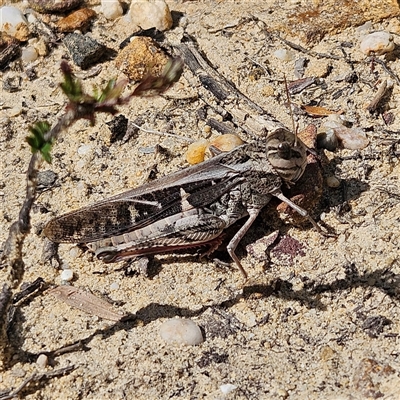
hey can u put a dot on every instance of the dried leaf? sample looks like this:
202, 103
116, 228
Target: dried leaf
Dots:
86, 301
317, 111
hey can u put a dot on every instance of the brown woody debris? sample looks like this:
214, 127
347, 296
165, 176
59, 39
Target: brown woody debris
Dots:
79, 19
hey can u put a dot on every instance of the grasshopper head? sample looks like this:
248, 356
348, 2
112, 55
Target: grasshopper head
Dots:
287, 154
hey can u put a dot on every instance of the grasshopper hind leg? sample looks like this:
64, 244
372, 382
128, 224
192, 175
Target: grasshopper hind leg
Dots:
182, 232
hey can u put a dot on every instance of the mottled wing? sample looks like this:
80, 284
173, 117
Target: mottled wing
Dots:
199, 186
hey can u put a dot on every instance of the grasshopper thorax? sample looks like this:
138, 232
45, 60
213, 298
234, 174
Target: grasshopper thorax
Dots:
287, 154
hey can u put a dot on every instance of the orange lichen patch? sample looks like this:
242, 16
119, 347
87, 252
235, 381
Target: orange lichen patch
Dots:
309, 136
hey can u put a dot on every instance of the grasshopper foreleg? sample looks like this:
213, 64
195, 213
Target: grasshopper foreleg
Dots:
302, 212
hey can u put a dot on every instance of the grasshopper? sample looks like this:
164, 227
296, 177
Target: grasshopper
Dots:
189, 208
192, 208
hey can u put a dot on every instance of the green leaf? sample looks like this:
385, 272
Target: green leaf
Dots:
37, 140
71, 86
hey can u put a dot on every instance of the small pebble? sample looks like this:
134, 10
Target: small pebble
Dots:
78, 19
84, 149
15, 111
50, 6
114, 286
181, 331
268, 91
81, 164
74, 252
67, 275
29, 54
226, 142
207, 129
46, 179
41, 47
332, 181
142, 56
13, 22
12, 83
18, 372
284, 55
147, 150
227, 388
352, 138
196, 151
148, 14
111, 9
377, 43
367, 26
42, 361
84, 50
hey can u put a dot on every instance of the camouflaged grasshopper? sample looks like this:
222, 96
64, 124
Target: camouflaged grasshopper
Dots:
192, 208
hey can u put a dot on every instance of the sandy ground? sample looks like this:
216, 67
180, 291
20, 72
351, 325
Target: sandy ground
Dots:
322, 325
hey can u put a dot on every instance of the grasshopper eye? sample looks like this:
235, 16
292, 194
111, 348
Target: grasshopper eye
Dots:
285, 150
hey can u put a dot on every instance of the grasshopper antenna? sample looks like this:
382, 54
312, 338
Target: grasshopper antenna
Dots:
290, 110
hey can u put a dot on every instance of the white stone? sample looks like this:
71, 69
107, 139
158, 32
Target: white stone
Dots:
352, 138
181, 331
84, 149
284, 55
377, 43
227, 388
150, 14
42, 361
10, 18
114, 286
74, 252
29, 54
67, 275
15, 111
111, 9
